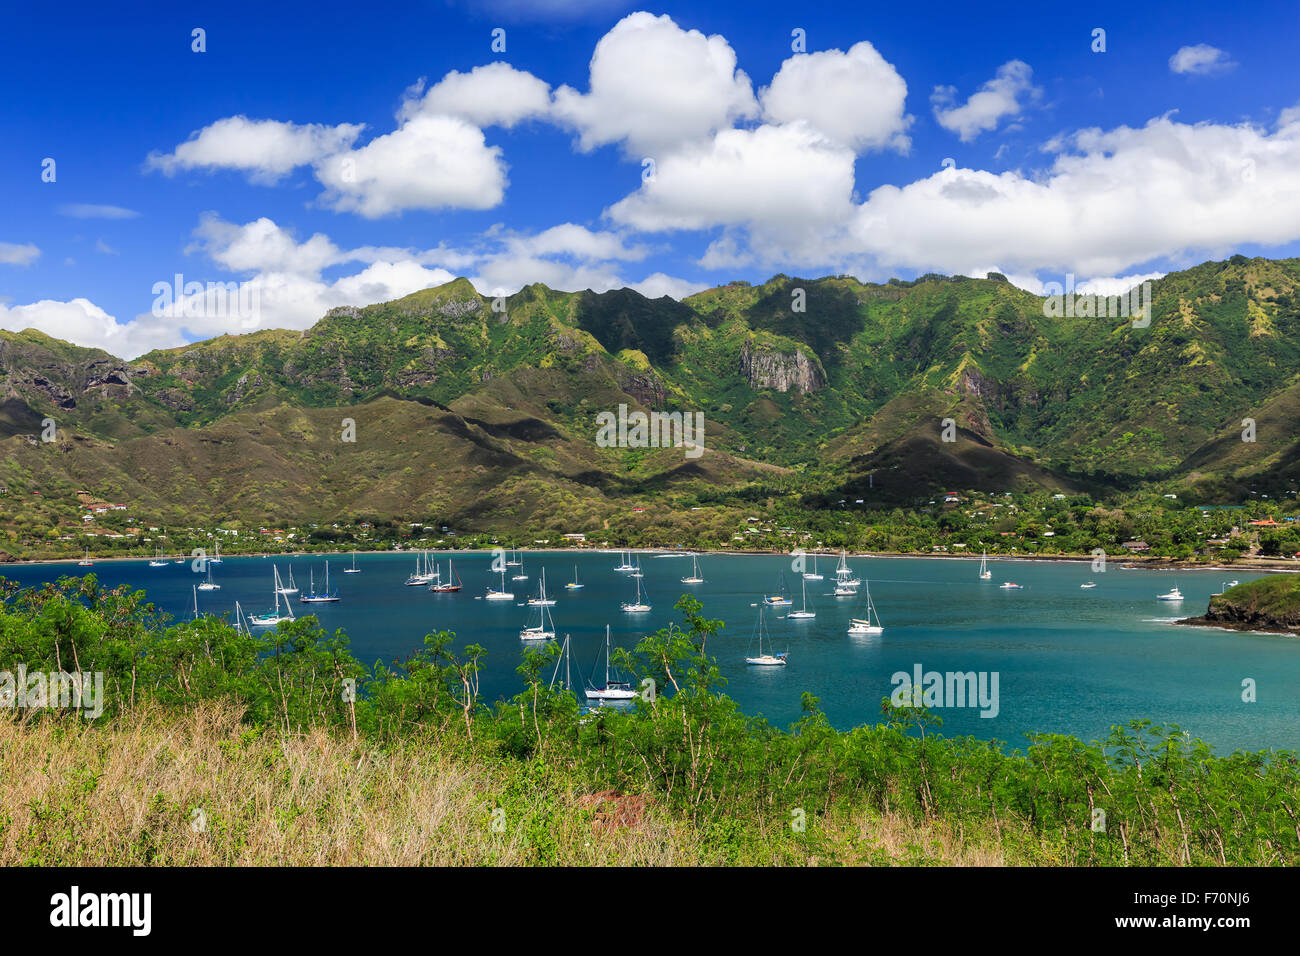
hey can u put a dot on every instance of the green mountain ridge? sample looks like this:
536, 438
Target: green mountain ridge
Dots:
486, 416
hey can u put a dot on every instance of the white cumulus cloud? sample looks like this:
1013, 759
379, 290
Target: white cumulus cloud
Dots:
999, 97
1200, 59
267, 150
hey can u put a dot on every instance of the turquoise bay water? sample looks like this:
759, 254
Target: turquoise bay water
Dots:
1069, 660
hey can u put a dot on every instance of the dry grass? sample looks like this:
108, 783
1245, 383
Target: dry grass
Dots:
200, 788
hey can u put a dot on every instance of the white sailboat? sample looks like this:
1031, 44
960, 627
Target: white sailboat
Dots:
869, 623
637, 606
290, 588
541, 600
503, 594
216, 558
803, 613
844, 576
544, 629
625, 563
273, 617
451, 584
695, 572
423, 573
610, 689
574, 585
516, 561
985, 573
765, 658
354, 569
85, 562
519, 563
814, 575
208, 585
158, 562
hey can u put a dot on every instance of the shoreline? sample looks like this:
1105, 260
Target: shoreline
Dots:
1141, 564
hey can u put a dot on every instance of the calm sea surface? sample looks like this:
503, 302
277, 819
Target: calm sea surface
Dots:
1068, 660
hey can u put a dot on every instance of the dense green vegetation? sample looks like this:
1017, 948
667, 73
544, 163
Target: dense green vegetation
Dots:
483, 418
747, 791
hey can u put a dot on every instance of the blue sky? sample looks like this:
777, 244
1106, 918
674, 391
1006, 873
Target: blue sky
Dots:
298, 155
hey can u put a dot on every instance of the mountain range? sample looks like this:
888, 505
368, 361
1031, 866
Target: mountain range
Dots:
482, 412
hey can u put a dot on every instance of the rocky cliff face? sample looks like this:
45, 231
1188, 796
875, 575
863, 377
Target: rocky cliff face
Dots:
768, 368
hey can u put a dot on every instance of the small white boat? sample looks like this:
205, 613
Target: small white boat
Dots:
159, 561
844, 590
869, 623
611, 689
85, 562
273, 617
694, 577
541, 600
803, 613
985, 573
354, 569
1172, 595
516, 562
290, 588
844, 576
637, 606
574, 585
1010, 586
814, 575
424, 572
625, 563
208, 585
779, 599
1232, 584
519, 563
501, 595
1089, 584
765, 658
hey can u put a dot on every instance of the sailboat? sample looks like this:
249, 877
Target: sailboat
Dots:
814, 576
423, 574
216, 558
610, 689
766, 659
574, 585
780, 599
322, 597
515, 562
240, 624
637, 573
158, 561
695, 572
179, 560
625, 563
541, 600
803, 613
869, 623
503, 594
354, 569
844, 577
290, 588
518, 563
638, 606
985, 573
85, 562
451, 584
208, 585
273, 617
544, 629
